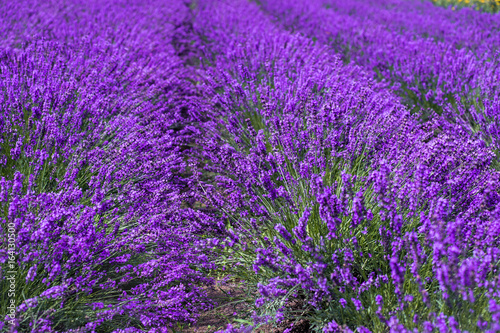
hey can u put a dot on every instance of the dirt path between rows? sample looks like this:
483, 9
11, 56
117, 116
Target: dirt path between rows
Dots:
230, 297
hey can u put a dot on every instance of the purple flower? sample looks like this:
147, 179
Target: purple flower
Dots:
357, 304
343, 302
284, 233
331, 327
301, 229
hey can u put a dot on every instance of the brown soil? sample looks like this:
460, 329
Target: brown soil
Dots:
302, 326
230, 298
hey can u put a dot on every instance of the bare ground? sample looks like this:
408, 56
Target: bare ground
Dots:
230, 298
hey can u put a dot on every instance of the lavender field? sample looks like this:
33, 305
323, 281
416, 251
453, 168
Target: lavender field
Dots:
339, 160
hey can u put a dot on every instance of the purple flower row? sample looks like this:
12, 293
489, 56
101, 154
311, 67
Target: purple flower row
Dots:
96, 107
437, 60
336, 192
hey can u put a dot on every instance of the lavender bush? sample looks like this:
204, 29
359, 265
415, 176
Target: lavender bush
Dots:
335, 195
439, 63
96, 104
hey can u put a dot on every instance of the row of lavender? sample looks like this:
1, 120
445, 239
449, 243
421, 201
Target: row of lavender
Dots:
437, 60
336, 197
96, 105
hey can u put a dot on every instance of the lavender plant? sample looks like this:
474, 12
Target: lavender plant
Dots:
438, 63
93, 179
335, 196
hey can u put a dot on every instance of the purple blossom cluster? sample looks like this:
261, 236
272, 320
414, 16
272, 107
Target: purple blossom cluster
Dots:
338, 156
